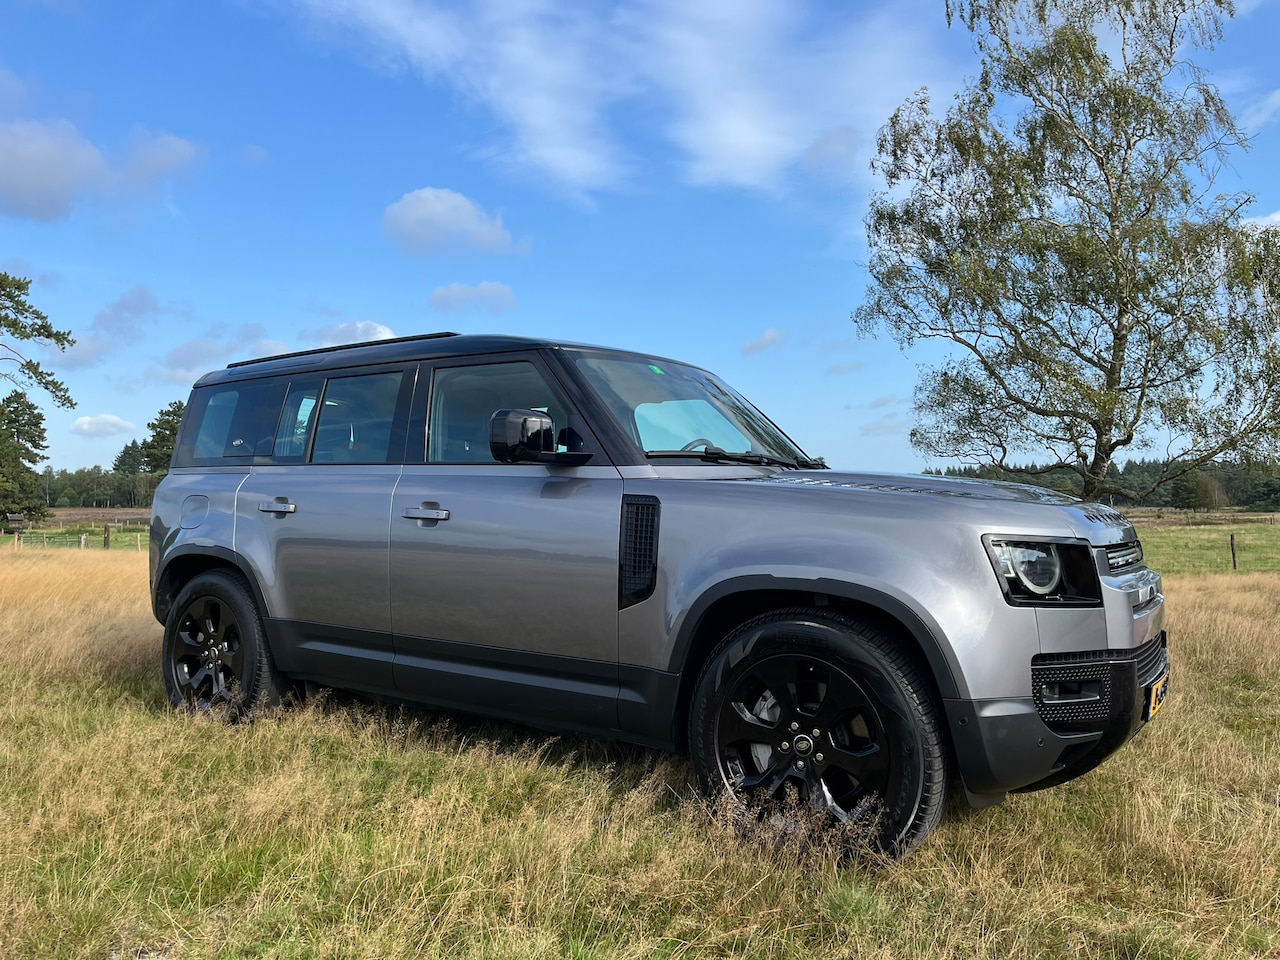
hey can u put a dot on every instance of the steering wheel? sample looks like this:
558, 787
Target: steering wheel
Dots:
700, 442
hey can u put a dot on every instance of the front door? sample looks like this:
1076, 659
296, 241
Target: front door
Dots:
504, 577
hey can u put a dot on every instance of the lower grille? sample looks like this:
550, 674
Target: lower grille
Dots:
1079, 690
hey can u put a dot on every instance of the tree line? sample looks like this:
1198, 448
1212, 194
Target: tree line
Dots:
1211, 486
130, 482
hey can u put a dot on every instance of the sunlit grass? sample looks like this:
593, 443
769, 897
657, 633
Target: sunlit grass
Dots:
340, 829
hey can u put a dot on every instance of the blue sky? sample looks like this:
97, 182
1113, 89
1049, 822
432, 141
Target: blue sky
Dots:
189, 184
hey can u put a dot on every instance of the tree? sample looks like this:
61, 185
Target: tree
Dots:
1058, 227
157, 449
22, 440
19, 321
128, 461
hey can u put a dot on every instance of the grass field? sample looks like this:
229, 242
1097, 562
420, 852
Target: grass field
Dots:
338, 829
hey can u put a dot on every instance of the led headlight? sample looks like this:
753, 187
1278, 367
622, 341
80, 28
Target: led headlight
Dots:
1044, 573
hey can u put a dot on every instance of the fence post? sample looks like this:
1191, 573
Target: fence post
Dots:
1233, 551
138, 546
84, 541
106, 537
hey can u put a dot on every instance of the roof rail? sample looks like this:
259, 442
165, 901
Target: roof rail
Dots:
344, 346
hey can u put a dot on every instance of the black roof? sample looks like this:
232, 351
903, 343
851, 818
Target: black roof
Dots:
421, 347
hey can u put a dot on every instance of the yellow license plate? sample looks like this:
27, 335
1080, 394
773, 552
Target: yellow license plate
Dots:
1156, 694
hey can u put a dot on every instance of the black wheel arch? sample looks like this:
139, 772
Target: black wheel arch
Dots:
185, 563
733, 602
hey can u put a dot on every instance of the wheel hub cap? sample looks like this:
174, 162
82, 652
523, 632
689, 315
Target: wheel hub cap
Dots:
803, 745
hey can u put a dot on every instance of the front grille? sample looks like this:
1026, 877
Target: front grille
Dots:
1080, 687
1121, 555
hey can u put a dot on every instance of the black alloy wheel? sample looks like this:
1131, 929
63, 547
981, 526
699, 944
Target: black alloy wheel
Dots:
816, 707
215, 651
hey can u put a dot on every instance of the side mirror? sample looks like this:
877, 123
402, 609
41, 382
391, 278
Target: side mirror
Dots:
528, 436
520, 436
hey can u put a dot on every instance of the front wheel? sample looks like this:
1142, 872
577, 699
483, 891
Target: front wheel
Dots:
215, 653
822, 708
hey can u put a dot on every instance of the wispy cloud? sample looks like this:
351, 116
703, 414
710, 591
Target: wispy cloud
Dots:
434, 220
1269, 220
843, 369
486, 295
187, 362
352, 331
118, 325
1261, 112
745, 93
890, 425
47, 166
771, 339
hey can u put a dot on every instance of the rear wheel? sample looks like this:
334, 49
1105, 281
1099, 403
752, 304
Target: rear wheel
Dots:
215, 652
821, 708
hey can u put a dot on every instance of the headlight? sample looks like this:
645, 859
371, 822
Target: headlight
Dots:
1045, 573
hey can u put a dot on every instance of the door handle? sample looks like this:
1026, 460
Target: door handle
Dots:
425, 513
278, 506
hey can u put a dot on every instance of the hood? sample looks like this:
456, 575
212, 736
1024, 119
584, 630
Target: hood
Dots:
927, 485
1095, 522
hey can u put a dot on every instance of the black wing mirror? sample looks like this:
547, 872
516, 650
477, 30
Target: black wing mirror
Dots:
528, 436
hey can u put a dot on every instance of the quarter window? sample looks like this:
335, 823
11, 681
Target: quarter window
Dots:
229, 423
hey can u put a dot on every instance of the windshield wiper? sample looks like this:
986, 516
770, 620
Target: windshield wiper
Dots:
717, 455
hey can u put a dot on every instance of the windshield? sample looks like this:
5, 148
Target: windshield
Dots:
668, 407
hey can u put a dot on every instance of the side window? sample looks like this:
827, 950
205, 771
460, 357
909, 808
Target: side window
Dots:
356, 419
296, 420
228, 423
464, 398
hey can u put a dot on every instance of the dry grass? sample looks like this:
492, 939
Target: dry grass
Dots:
347, 830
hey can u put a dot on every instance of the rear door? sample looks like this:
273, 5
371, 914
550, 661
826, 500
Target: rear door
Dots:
504, 577
319, 513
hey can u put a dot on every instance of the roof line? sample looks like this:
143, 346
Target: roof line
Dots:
343, 346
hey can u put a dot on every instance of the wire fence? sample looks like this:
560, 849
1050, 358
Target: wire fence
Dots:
110, 537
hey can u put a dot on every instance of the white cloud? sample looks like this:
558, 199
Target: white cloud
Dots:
1270, 220
487, 295
744, 92
888, 400
358, 331
433, 220
103, 425
44, 166
769, 340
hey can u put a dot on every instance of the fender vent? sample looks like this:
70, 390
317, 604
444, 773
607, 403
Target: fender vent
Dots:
638, 549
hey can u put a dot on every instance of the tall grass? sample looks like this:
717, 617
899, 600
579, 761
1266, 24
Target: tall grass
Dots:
342, 829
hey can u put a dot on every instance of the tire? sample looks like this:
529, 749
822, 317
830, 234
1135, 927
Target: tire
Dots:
215, 655
822, 708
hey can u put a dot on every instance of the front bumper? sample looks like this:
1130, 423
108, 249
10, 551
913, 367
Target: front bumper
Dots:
1085, 706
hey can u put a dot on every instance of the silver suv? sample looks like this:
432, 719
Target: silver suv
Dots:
617, 545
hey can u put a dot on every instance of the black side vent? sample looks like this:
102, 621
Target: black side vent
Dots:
638, 549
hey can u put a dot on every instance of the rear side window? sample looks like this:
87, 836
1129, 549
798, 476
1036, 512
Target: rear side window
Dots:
228, 424
357, 419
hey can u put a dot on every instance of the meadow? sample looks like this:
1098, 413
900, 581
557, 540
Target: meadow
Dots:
345, 829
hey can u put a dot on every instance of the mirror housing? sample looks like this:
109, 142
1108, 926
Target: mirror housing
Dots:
528, 436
